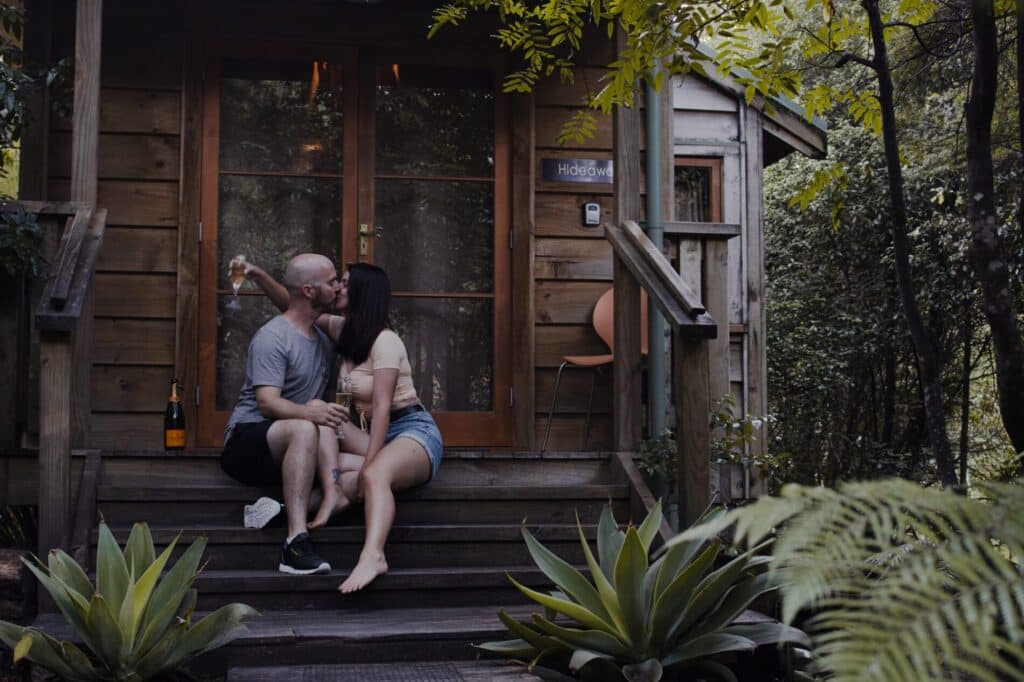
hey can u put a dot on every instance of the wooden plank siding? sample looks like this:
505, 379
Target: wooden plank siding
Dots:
139, 166
572, 267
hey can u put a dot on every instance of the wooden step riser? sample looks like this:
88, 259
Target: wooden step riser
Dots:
400, 554
374, 598
454, 647
206, 471
561, 511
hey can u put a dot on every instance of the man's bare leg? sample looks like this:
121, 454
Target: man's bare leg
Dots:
294, 443
400, 465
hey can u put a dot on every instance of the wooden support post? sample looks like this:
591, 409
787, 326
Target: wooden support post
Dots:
55, 439
715, 297
85, 133
757, 373
626, 378
523, 257
690, 384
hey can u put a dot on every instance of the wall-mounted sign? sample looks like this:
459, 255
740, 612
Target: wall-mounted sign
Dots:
577, 170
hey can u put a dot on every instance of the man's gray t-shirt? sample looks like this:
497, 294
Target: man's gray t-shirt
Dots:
280, 355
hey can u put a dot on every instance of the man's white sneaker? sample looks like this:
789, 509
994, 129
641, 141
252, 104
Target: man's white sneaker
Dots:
261, 512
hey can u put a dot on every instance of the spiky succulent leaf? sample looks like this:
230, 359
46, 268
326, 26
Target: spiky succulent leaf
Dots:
671, 605
770, 633
217, 629
648, 671
137, 599
165, 654
512, 648
537, 639
707, 645
605, 589
581, 658
712, 588
57, 657
138, 551
68, 602
648, 530
62, 566
112, 576
565, 576
169, 596
630, 569
609, 542
109, 638
587, 639
736, 601
567, 608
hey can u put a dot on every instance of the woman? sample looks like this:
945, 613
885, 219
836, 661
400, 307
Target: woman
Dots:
403, 446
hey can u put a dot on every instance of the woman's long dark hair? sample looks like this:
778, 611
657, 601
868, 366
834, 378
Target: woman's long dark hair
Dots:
369, 303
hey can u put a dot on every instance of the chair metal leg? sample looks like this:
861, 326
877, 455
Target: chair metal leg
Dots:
590, 406
551, 412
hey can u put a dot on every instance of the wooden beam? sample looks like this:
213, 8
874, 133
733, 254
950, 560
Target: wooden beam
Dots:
53, 207
71, 315
85, 132
523, 257
641, 499
702, 230
757, 362
716, 297
186, 348
63, 267
85, 125
690, 386
662, 269
628, 411
85, 509
55, 439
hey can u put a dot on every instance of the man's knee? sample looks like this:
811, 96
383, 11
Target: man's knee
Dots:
301, 433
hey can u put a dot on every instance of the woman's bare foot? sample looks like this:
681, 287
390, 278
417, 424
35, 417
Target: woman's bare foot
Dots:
365, 572
334, 502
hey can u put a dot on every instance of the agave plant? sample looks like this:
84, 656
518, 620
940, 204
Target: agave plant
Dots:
133, 625
638, 620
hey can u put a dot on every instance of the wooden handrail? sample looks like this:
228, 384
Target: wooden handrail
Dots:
652, 270
60, 306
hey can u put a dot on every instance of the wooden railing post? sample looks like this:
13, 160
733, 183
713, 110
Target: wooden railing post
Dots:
627, 407
690, 384
55, 375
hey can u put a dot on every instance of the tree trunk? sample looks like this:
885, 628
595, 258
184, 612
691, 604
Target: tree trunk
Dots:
929, 363
986, 253
965, 398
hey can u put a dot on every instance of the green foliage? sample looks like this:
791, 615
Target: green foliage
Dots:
21, 241
638, 620
898, 582
661, 39
659, 458
133, 624
17, 526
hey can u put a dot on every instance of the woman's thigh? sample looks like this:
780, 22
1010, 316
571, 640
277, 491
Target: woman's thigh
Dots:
403, 463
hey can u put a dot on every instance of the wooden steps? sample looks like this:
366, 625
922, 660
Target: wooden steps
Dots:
455, 543
410, 546
330, 636
440, 671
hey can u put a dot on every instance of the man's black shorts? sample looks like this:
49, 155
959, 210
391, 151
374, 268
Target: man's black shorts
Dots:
246, 456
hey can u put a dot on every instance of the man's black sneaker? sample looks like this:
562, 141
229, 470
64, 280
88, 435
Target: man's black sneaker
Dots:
298, 557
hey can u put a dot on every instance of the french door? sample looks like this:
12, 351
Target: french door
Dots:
374, 156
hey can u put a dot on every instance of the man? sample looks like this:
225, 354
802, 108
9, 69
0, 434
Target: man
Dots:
280, 426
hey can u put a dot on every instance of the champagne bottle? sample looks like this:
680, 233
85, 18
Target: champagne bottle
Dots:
174, 421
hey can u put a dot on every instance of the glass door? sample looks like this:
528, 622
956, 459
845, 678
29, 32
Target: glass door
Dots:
433, 212
398, 162
278, 173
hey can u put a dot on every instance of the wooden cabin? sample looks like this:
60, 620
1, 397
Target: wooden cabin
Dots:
196, 131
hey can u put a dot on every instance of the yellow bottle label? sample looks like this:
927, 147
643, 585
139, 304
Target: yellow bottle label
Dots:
174, 438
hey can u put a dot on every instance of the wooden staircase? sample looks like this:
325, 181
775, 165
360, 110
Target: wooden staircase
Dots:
454, 544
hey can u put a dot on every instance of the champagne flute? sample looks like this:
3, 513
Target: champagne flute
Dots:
343, 395
236, 275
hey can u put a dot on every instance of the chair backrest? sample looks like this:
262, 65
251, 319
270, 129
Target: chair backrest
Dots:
604, 315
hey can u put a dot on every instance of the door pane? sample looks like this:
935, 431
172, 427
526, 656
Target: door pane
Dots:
434, 121
449, 345
235, 327
436, 235
270, 219
281, 116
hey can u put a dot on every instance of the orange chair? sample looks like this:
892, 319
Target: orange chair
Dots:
603, 321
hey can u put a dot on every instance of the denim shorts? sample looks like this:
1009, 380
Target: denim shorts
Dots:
420, 427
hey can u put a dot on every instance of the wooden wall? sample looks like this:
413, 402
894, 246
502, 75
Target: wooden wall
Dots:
140, 173
573, 267
139, 168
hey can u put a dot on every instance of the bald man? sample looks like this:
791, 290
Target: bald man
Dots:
280, 425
